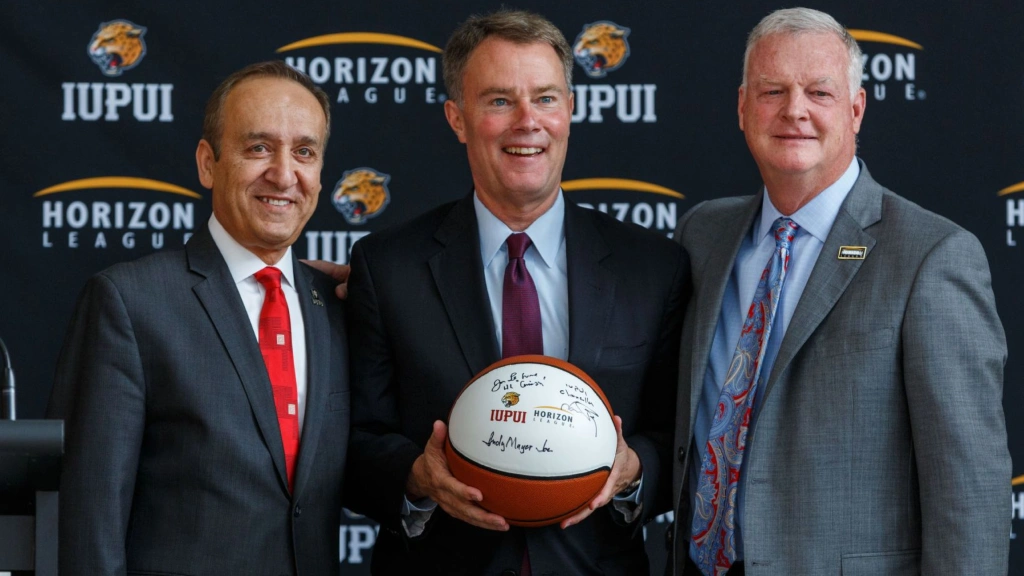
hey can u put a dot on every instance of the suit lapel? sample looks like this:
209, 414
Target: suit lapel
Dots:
318, 352
220, 299
831, 276
732, 226
591, 286
459, 276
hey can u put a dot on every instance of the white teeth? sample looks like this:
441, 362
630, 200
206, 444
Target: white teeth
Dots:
523, 151
275, 202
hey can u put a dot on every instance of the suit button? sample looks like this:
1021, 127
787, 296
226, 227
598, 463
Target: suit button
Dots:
682, 455
298, 510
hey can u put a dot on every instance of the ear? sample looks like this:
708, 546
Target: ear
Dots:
204, 163
860, 102
739, 106
455, 119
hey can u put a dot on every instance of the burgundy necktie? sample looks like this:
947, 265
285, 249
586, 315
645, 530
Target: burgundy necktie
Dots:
276, 346
520, 308
520, 319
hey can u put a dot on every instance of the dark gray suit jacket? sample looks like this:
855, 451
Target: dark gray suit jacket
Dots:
421, 328
174, 463
880, 445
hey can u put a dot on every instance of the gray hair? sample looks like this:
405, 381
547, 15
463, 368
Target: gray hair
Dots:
806, 20
518, 26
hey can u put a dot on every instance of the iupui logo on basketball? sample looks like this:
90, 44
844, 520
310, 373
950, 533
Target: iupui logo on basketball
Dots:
117, 46
1014, 211
890, 66
603, 47
649, 205
128, 215
517, 416
361, 194
393, 70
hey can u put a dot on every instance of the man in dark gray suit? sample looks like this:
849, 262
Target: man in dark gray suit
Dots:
205, 390
842, 361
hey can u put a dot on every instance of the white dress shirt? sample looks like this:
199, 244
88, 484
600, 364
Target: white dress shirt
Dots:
243, 264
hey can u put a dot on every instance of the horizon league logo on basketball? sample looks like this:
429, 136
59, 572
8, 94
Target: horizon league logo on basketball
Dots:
127, 217
603, 47
380, 76
889, 66
117, 46
360, 195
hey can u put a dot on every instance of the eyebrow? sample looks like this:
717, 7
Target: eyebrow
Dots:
305, 140
509, 91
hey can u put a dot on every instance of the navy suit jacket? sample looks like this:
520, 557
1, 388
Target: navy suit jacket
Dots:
422, 328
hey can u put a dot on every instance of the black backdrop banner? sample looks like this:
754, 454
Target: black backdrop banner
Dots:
98, 156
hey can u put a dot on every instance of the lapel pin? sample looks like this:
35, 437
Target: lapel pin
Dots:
852, 252
316, 298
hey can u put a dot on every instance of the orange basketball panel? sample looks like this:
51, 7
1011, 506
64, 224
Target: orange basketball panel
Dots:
525, 501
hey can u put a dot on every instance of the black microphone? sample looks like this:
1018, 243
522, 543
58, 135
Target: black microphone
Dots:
7, 409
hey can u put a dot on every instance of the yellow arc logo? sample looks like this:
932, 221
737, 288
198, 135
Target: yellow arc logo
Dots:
1018, 187
117, 182
360, 38
618, 184
873, 36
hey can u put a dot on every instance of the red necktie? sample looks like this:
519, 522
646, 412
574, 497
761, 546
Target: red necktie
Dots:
520, 308
276, 346
520, 320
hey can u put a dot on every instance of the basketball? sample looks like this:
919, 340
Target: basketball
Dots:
535, 435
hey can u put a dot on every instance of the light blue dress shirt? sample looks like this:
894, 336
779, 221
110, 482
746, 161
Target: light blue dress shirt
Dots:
815, 220
546, 261
548, 266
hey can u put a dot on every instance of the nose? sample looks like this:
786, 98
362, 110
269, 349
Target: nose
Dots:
526, 118
282, 170
796, 106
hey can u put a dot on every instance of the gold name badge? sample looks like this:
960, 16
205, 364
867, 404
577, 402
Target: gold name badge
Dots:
852, 252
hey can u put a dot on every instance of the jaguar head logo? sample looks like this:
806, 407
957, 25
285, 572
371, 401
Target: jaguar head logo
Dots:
117, 46
510, 399
361, 194
601, 48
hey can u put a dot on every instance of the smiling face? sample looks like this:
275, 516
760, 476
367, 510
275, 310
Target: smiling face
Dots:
266, 182
514, 120
797, 114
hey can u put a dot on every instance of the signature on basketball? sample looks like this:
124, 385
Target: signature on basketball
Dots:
512, 444
516, 379
579, 408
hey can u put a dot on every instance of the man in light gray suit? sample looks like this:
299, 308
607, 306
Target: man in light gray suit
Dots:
842, 360
205, 390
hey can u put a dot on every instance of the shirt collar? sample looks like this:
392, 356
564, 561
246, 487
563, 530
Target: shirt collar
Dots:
546, 232
817, 216
241, 262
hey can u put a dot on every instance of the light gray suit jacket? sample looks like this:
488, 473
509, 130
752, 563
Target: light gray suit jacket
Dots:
880, 446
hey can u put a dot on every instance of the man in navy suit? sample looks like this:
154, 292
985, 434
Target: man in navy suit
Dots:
426, 300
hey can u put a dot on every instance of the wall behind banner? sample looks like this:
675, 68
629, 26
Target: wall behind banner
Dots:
98, 162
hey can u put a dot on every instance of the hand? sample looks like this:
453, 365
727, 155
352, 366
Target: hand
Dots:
431, 477
625, 469
337, 271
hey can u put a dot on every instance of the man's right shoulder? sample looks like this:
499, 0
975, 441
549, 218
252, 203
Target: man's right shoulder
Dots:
410, 236
711, 214
151, 271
